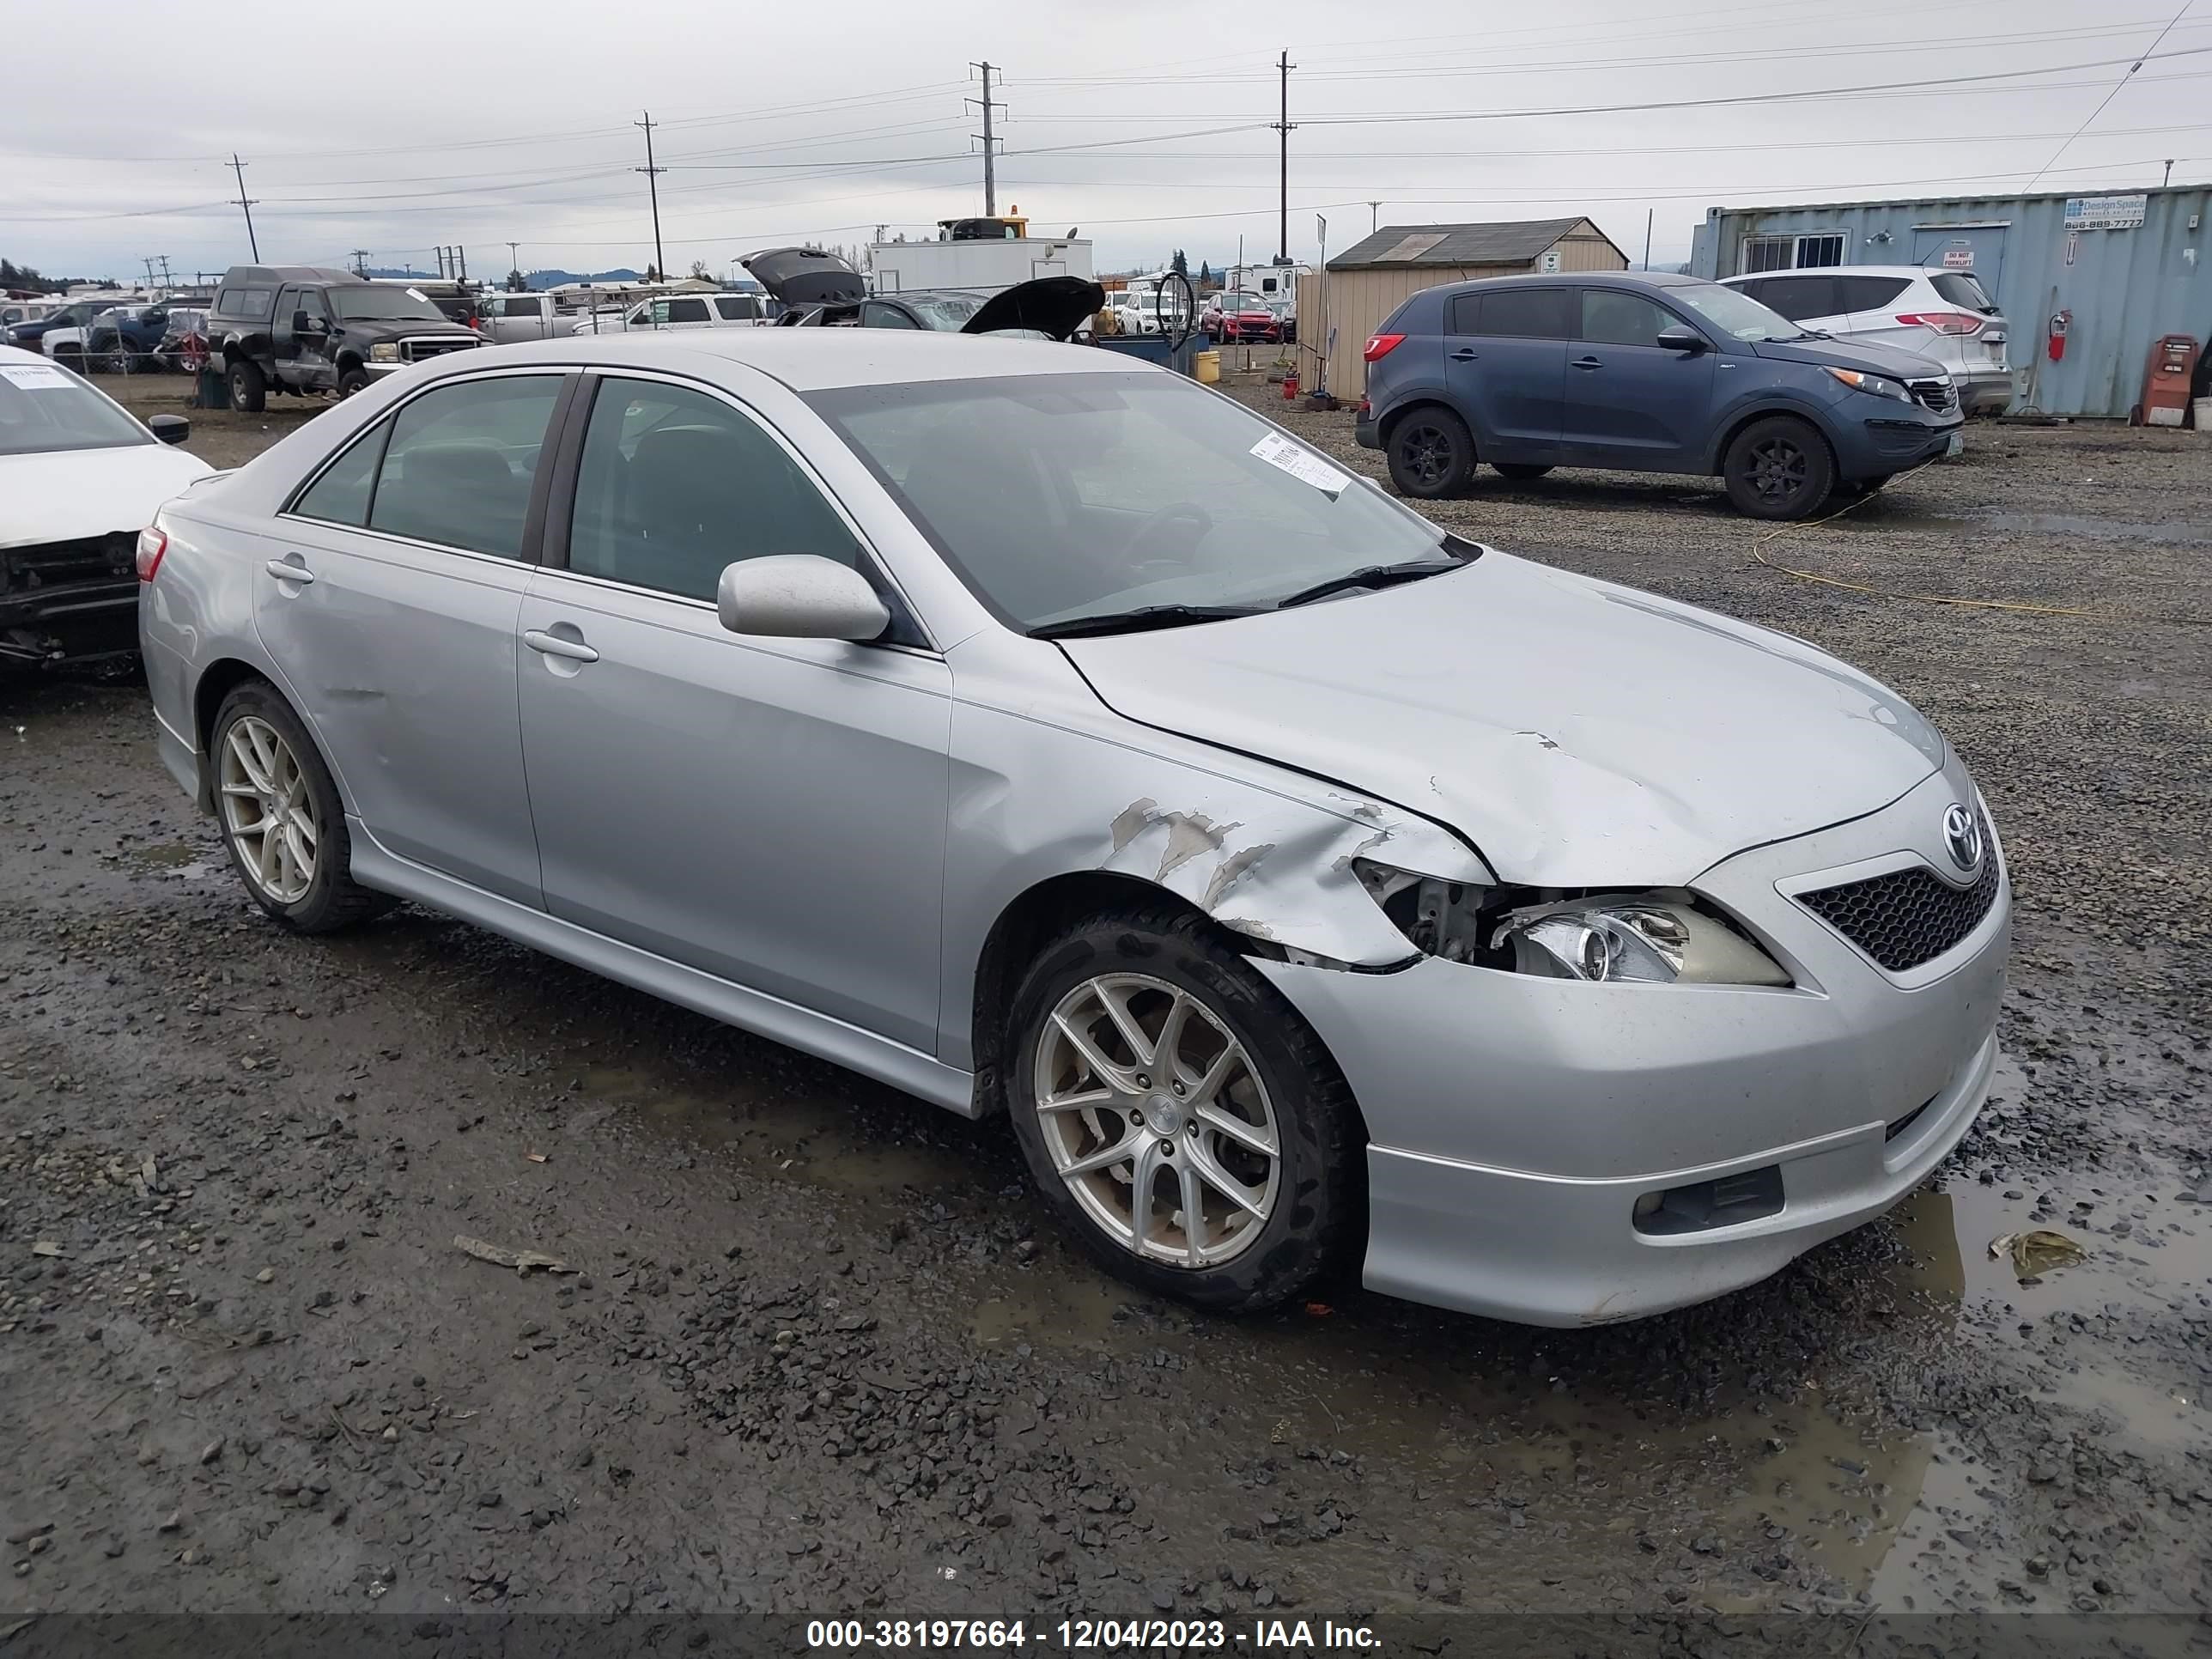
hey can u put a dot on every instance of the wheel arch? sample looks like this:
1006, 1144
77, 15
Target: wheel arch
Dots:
217, 681
1733, 427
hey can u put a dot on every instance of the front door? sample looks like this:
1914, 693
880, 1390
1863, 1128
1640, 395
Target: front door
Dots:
1506, 367
770, 811
1631, 402
390, 597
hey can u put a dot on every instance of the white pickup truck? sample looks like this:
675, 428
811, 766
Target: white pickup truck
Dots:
683, 311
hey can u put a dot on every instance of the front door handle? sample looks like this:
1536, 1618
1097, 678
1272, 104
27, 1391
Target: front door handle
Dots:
553, 645
290, 570
1464, 354
1590, 363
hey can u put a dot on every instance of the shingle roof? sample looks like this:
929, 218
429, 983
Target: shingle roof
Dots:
1511, 242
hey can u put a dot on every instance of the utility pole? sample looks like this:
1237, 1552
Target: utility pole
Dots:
239, 168
2168, 180
361, 263
653, 184
166, 279
1283, 127
1374, 218
513, 260
1647, 237
990, 144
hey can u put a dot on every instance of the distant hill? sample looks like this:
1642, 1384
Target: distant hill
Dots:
554, 278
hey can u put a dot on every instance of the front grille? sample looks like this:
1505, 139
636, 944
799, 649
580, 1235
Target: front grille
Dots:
416, 351
1940, 395
1908, 917
61, 564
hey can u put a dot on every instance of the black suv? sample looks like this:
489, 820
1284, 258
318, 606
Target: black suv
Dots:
303, 328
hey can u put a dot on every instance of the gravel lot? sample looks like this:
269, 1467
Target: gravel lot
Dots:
821, 1354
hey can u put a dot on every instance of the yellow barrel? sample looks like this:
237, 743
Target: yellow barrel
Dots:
1209, 368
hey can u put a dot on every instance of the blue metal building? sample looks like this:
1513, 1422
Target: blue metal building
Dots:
2130, 267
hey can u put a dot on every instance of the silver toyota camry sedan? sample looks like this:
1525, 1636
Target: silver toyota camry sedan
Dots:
1046, 735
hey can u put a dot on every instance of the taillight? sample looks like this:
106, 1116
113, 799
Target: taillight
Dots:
152, 543
1381, 345
1943, 322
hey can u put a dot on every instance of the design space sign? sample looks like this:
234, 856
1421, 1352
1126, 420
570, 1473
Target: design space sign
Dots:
2105, 212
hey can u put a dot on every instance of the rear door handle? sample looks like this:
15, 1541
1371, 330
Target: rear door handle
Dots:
553, 645
1590, 363
1464, 356
290, 570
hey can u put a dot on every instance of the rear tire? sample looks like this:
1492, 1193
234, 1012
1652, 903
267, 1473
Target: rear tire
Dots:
1431, 453
1521, 471
1779, 468
282, 824
249, 392
1291, 1147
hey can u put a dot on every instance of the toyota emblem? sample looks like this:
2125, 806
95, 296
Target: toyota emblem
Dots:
1962, 837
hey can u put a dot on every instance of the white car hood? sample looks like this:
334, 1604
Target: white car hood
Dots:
1580, 734
63, 495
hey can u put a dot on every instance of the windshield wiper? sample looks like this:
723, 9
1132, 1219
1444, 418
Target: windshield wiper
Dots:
1374, 575
1137, 621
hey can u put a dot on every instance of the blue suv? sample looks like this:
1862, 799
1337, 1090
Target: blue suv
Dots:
1643, 373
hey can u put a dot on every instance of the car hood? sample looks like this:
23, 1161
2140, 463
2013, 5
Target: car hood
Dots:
412, 328
1051, 305
61, 496
1578, 733
1865, 356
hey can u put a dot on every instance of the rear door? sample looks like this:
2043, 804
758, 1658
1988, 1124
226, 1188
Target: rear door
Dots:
1629, 401
1505, 368
390, 604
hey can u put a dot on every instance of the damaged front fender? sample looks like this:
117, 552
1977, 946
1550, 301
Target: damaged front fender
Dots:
1265, 852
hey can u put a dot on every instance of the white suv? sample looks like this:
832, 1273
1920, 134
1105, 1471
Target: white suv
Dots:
1945, 316
685, 310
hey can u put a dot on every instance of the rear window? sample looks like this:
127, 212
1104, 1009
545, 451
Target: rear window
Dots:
1515, 313
1961, 289
253, 303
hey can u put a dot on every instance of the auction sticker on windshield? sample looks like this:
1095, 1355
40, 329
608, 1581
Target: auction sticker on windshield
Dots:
1279, 451
35, 377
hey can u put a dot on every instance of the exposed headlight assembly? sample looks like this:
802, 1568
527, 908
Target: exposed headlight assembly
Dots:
1661, 938
1653, 939
1874, 383
386, 352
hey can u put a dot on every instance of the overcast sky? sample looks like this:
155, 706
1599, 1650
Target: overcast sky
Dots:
397, 125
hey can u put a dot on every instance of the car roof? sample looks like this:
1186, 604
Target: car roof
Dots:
1851, 270
817, 360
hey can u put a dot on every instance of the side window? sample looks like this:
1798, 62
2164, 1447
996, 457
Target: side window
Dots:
457, 468
1759, 290
1525, 313
1798, 298
688, 310
254, 304
1613, 318
341, 495
674, 485
736, 307
311, 301
1464, 316
876, 314
1868, 293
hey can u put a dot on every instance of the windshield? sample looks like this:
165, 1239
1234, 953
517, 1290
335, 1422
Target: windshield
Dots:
379, 305
950, 312
1056, 497
44, 407
1734, 312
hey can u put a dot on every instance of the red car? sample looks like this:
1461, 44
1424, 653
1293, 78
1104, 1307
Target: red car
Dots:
1240, 317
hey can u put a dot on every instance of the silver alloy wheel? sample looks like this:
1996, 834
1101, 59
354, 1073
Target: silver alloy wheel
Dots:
1137, 1084
269, 810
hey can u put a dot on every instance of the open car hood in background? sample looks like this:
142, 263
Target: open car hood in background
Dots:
805, 276
1051, 305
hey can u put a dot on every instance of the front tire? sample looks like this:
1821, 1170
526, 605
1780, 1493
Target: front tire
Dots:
249, 392
1142, 1036
282, 821
1778, 467
352, 378
1431, 453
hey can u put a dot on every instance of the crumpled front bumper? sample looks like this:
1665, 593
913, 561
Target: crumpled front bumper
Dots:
1515, 1120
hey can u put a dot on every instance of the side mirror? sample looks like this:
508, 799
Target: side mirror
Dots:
1680, 338
800, 595
170, 429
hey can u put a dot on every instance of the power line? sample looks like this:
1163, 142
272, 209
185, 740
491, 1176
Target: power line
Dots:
2113, 94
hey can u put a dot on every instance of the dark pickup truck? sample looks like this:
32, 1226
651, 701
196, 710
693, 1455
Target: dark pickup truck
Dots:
307, 328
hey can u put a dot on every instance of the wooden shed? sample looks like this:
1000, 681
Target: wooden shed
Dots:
1371, 279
